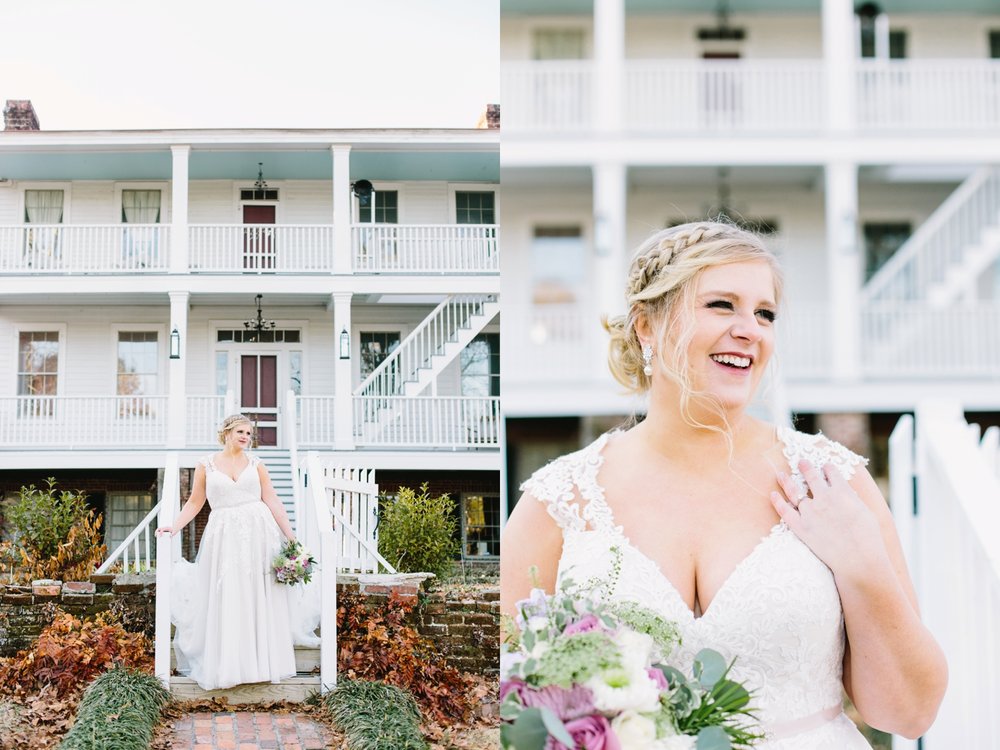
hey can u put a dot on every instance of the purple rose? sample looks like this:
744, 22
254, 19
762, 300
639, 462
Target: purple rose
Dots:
658, 677
512, 686
568, 704
589, 733
583, 625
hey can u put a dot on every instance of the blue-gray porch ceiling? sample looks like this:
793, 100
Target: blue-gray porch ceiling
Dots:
465, 166
577, 7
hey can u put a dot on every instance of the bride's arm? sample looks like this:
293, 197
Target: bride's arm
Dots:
894, 670
273, 502
192, 506
531, 540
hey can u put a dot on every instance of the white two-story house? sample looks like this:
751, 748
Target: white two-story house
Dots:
341, 287
861, 140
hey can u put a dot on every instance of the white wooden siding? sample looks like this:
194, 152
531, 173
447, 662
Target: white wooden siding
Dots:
93, 203
212, 202
9, 205
425, 203
306, 202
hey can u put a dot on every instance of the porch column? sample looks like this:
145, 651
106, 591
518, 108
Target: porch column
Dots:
177, 373
342, 251
179, 209
840, 63
844, 269
610, 253
343, 385
609, 64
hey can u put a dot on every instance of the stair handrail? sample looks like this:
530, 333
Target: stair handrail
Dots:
169, 507
121, 551
938, 221
292, 441
431, 333
320, 521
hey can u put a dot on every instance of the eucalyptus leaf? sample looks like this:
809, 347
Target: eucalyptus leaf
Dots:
709, 667
713, 738
528, 732
528, 640
674, 676
510, 709
555, 727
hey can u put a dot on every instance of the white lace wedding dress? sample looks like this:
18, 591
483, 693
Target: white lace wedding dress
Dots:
778, 614
234, 623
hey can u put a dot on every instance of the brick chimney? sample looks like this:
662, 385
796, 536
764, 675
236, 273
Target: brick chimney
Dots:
18, 114
490, 118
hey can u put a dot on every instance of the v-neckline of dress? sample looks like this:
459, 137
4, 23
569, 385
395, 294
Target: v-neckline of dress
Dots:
607, 517
226, 474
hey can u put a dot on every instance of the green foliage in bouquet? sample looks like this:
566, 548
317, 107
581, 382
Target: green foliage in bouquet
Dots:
55, 535
416, 532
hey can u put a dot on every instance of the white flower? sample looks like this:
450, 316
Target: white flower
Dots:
634, 731
619, 690
636, 650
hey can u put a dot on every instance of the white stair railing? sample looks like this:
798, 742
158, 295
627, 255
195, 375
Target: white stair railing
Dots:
141, 559
166, 546
951, 548
940, 243
292, 441
319, 537
424, 342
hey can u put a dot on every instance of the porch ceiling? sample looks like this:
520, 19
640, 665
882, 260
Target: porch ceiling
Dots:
241, 303
586, 7
466, 166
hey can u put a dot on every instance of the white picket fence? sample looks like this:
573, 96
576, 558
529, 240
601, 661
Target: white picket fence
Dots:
949, 531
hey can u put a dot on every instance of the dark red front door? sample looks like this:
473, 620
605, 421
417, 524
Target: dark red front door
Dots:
258, 240
259, 394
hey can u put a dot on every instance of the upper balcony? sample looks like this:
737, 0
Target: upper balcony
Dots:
753, 96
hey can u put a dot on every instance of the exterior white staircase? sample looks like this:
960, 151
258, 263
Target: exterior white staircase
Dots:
937, 267
279, 467
421, 357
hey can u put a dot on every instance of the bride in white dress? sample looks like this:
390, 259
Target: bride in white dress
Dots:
770, 546
234, 622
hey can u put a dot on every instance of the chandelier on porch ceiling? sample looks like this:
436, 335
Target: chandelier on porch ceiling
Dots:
258, 324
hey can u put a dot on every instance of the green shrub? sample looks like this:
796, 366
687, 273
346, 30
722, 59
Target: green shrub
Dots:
54, 534
416, 532
374, 716
119, 711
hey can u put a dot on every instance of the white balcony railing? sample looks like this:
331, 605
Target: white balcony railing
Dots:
702, 96
928, 94
552, 342
427, 422
83, 421
84, 248
548, 95
426, 248
204, 415
754, 96
261, 248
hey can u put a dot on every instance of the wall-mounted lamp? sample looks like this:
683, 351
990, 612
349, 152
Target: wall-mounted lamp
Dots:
175, 344
345, 344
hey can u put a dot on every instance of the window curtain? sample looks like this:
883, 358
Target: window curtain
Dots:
141, 206
558, 44
43, 206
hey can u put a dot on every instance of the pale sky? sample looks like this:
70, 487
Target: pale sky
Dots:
136, 64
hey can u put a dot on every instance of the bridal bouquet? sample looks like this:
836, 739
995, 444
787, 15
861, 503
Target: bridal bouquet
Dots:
294, 564
586, 674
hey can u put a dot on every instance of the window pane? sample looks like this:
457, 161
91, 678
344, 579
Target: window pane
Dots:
481, 525
558, 265
140, 206
475, 208
295, 372
125, 510
38, 363
480, 366
137, 363
375, 347
882, 240
221, 373
386, 208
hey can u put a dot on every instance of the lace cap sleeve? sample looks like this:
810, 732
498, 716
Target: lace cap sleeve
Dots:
553, 485
206, 461
819, 450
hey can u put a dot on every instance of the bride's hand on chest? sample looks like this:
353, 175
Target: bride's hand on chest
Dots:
831, 518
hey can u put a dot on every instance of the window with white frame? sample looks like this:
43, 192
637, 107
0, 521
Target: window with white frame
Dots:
375, 347
558, 265
38, 363
480, 525
124, 512
386, 208
44, 208
140, 240
480, 366
138, 363
475, 207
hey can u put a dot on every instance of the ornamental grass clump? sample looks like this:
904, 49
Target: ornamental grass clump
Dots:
416, 531
375, 716
119, 710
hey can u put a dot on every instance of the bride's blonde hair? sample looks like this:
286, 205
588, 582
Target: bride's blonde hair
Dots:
229, 423
662, 280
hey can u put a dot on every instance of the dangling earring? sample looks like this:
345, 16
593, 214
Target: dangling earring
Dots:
647, 359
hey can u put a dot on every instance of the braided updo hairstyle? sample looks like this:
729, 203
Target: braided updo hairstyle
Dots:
229, 423
661, 285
